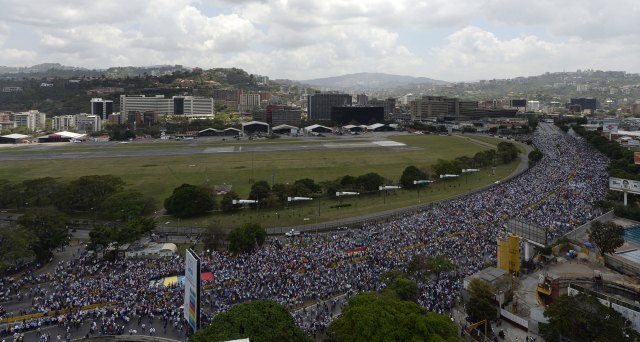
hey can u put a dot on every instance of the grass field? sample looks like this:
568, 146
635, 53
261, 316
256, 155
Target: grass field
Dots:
158, 176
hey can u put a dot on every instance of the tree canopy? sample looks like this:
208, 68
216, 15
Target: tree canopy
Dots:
14, 246
421, 266
260, 321
608, 236
480, 305
48, 226
372, 317
88, 192
226, 203
189, 200
246, 237
126, 205
410, 174
583, 318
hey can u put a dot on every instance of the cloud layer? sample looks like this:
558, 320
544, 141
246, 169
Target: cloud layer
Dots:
444, 39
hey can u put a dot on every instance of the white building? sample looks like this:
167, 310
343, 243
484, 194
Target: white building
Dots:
63, 123
533, 106
87, 123
33, 120
190, 106
249, 102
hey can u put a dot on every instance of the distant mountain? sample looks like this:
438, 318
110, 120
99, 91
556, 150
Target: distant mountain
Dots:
38, 68
369, 81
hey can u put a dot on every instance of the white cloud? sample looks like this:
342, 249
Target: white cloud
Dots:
472, 53
301, 39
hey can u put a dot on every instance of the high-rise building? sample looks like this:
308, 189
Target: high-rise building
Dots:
279, 115
190, 106
33, 120
582, 104
444, 108
249, 103
6, 120
533, 106
319, 104
63, 123
86, 123
364, 115
389, 105
362, 99
227, 97
102, 108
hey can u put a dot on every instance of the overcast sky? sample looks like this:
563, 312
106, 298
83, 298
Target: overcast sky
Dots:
443, 39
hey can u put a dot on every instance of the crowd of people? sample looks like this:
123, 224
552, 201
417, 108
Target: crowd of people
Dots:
558, 193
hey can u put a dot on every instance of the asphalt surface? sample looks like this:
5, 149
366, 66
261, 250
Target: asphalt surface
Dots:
201, 146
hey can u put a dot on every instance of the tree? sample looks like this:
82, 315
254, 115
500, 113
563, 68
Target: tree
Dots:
212, 236
49, 229
422, 266
507, 152
14, 246
189, 200
259, 191
442, 167
126, 205
42, 192
372, 317
403, 288
245, 238
260, 321
227, 202
369, 182
480, 305
410, 174
88, 192
309, 184
583, 318
534, 157
608, 236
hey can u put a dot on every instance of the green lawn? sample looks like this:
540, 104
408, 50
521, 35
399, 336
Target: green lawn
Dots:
158, 176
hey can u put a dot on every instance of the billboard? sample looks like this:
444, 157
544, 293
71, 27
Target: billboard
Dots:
509, 254
626, 185
192, 289
636, 157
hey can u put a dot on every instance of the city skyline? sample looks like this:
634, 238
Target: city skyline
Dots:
445, 40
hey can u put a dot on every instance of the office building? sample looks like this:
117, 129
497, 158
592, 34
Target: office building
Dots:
33, 120
533, 106
452, 109
6, 120
227, 97
362, 99
189, 106
85, 123
582, 104
319, 105
364, 115
276, 115
389, 105
63, 123
102, 108
249, 103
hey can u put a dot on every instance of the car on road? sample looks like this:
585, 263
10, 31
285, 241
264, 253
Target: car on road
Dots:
292, 232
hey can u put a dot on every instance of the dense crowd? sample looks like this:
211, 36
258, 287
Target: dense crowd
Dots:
558, 193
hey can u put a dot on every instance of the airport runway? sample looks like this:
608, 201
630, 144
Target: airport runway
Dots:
110, 150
